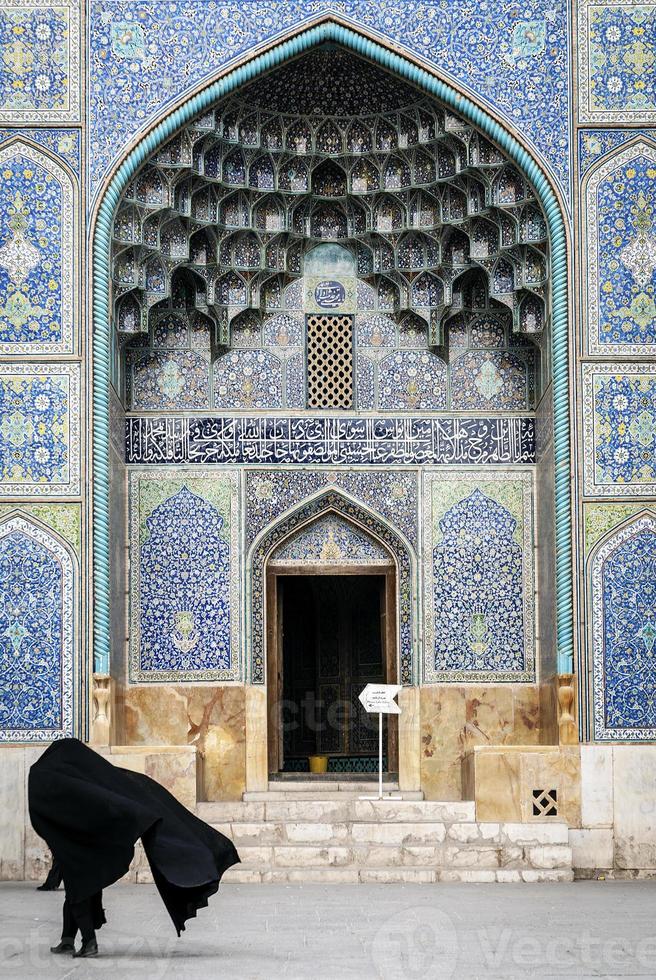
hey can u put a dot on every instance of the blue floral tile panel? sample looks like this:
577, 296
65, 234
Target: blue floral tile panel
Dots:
169, 382
620, 234
40, 49
478, 560
619, 418
39, 429
248, 379
184, 586
617, 53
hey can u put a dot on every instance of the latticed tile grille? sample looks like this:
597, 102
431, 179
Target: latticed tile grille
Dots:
330, 361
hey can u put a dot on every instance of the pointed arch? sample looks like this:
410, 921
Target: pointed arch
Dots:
598, 311
24, 298
328, 29
360, 516
622, 582
38, 630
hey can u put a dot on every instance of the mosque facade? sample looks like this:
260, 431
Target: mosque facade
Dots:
327, 340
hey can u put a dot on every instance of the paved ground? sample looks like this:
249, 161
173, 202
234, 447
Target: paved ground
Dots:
312, 932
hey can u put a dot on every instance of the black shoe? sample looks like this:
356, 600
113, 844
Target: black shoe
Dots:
65, 946
90, 948
45, 887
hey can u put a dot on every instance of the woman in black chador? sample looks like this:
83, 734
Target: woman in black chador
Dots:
90, 813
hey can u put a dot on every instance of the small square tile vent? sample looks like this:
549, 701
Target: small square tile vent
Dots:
545, 803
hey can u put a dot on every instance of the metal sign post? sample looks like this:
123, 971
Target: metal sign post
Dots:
379, 698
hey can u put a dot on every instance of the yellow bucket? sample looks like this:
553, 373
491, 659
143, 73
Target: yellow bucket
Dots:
318, 763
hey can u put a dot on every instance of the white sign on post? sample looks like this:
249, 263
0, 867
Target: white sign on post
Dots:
379, 699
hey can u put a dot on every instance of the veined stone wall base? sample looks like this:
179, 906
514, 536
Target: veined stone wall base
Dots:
606, 794
524, 783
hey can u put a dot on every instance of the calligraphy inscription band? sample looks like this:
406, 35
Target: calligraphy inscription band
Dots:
329, 439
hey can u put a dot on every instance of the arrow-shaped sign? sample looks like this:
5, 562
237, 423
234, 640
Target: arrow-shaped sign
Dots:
379, 698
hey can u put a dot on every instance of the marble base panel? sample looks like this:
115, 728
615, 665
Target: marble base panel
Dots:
591, 849
173, 766
634, 806
502, 781
454, 719
23, 855
15, 764
210, 718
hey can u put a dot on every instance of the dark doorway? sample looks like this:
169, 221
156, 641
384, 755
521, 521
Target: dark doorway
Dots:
333, 638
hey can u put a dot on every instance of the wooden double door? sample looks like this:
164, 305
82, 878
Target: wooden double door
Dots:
329, 634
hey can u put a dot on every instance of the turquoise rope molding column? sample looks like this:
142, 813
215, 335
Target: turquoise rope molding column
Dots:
329, 31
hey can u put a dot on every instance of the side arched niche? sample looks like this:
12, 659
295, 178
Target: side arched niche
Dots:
622, 582
38, 631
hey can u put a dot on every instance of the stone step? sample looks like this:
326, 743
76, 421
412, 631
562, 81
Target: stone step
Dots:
391, 875
344, 838
555, 857
455, 841
357, 841
337, 810
332, 785
263, 796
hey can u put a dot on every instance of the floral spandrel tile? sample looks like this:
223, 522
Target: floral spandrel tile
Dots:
595, 143
143, 57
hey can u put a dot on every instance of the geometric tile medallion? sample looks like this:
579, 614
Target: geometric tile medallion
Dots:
184, 577
623, 627
40, 58
38, 230
39, 429
619, 430
616, 55
37, 630
478, 577
620, 262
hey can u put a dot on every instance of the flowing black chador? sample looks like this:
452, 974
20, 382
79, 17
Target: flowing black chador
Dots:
91, 813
